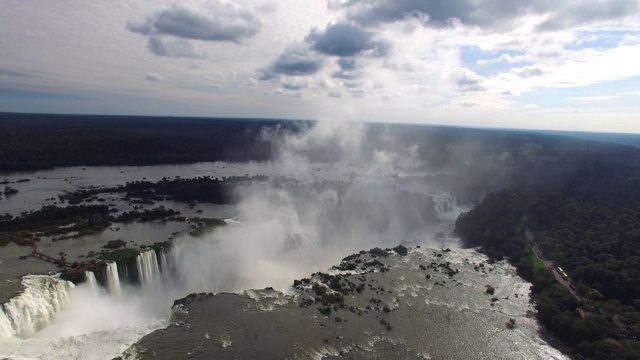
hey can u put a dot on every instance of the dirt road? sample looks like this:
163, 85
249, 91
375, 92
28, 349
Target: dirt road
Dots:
549, 264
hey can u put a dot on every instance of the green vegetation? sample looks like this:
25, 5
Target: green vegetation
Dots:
52, 220
202, 226
535, 261
115, 244
202, 189
70, 221
589, 225
119, 255
145, 215
43, 141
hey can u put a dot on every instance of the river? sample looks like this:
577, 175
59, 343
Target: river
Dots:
275, 234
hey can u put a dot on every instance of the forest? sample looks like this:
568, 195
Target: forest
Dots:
590, 226
45, 141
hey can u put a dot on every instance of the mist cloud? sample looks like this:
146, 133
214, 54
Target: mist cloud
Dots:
288, 227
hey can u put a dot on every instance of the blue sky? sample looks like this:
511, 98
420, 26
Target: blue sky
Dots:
541, 64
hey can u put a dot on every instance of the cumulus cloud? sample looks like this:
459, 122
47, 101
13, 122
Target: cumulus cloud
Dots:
495, 14
575, 13
527, 72
213, 20
343, 39
433, 13
348, 69
346, 64
295, 85
467, 80
296, 60
154, 77
173, 48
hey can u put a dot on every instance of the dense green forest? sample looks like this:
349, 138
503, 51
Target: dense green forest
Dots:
43, 141
590, 226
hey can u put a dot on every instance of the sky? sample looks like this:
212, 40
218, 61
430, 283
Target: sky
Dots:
539, 64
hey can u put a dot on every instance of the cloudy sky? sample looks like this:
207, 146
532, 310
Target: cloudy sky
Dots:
493, 63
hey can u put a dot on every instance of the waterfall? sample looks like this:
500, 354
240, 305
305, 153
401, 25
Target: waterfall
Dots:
91, 281
6, 330
148, 270
113, 279
444, 203
298, 235
164, 265
123, 271
44, 296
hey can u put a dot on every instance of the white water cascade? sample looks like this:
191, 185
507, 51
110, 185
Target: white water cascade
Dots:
44, 296
447, 207
6, 330
123, 271
164, 264
91, 281
148, 270
444, 203
113, 279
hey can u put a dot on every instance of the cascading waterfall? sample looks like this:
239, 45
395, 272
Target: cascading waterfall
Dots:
91, 281
6, 330
164, 264
444, 203
44, 296
297, 233
123, 271
113, 279
148, 270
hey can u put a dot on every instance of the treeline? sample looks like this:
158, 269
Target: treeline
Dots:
201, 189
77, 220
590, 226
39, 141
54, 220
